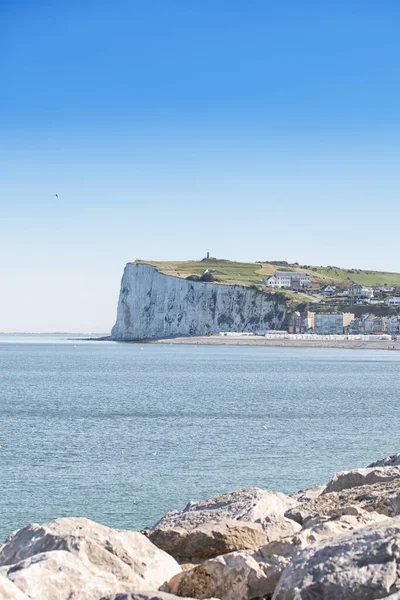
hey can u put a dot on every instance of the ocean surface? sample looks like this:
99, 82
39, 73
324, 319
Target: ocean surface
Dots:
79, 426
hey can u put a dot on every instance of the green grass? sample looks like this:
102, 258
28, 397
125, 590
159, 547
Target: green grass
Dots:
229, 272
226, 271
357, 275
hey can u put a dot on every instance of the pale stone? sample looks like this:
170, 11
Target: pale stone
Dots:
362, 565
382, 497
60, 575
240, 575
308, 493
154, 305
389, 461
128, 555
279, 553
9, 591
146, 596
247, 504
208, 539
358, 477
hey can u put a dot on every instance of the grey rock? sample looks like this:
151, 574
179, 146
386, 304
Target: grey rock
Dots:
9, 591
382, 497
389, 461
60, 575
254, 574
240, 575
208, 540
280, 552
146, 596
358, 477
247, 504
127, 555
308, 493
363, 565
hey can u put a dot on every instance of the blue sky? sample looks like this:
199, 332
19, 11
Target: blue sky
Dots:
259, 131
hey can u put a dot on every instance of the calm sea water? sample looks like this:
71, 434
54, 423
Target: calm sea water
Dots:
78, 426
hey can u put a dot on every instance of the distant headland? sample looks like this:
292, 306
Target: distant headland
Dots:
164, 299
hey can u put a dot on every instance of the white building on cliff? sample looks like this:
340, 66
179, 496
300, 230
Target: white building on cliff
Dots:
288, 279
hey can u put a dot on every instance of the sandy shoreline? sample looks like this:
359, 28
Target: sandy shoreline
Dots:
216, 340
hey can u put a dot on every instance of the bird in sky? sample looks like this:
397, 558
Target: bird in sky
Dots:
56, 195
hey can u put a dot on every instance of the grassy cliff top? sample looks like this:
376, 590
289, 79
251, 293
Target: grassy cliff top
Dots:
229, 272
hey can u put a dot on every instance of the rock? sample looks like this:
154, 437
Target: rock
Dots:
208, 539
146, 596
60, 575
317, 528
308, 494
382, 497
336, 522
127, 555
389, 461
247, 504
363, 565
9, 591
280, 552
237, 576
349, 479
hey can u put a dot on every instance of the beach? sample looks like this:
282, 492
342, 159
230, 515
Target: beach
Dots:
220, 340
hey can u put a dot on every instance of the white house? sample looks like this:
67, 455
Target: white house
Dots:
357, 290
285, 279
271, 281
392, 301
329, 290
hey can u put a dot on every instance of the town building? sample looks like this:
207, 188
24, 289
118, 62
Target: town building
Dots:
373, 324
393, 326
331, 323
357, 290
394, 301
301, 322
288, 279
329, 290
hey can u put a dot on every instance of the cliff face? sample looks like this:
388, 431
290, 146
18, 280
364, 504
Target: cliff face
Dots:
154, 305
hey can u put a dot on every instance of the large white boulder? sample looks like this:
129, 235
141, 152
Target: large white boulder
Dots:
60, 575
237, 576
127, 555
358, 477
388, 461
146, 596
382, 497
363, 565
247, 504
9, 591
252, 574
192, 545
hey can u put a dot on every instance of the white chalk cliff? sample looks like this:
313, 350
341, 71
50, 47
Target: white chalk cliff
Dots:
154, 305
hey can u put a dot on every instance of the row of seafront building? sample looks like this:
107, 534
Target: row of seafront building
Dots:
319, 323
339, 323
284, 335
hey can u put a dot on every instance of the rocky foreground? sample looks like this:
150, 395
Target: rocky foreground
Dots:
339, 541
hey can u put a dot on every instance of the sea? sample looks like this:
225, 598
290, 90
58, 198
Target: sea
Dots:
122, 433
